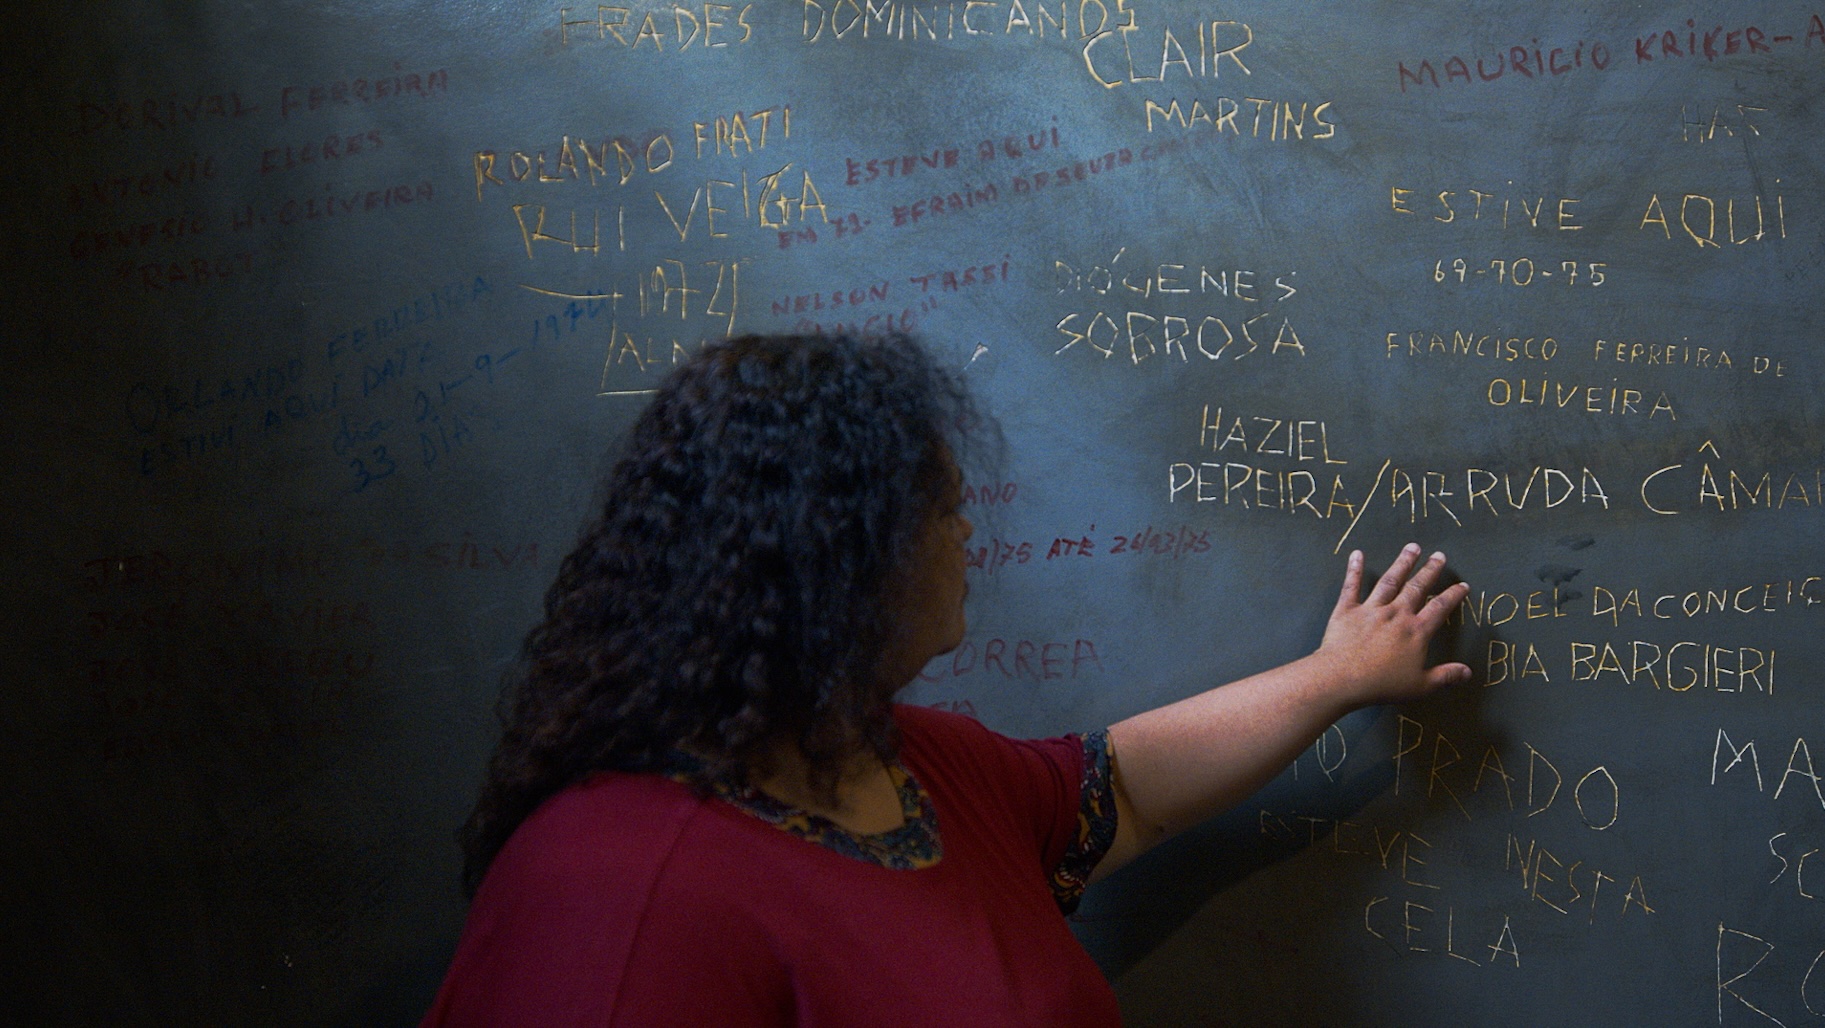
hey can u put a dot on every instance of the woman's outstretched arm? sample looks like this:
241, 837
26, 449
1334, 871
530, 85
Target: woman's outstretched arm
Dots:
1182, 763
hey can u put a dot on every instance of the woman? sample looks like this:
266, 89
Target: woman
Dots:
706, 810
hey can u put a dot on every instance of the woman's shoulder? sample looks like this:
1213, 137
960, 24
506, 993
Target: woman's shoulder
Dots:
603, 824
929, 727
942, 745
610, 794
925, 723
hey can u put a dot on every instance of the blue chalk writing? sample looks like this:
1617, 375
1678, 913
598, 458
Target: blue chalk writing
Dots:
447, 301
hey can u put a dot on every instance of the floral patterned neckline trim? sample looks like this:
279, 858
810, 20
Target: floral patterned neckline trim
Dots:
910, 847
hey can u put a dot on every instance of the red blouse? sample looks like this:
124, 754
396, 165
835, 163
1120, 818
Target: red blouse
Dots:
630, 900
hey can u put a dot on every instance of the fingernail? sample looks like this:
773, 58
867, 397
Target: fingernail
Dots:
1438, 555
1410, 548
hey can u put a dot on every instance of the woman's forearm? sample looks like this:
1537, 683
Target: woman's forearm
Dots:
1179, 764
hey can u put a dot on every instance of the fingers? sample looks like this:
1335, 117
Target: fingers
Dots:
1351, 594
1405, 582
1411, 582
1432, 616
1389, 586
1420, 585
1446, 674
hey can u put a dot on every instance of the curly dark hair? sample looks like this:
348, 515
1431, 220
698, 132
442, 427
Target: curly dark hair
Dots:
734, 591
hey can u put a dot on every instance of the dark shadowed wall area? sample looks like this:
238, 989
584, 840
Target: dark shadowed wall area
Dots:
325, 315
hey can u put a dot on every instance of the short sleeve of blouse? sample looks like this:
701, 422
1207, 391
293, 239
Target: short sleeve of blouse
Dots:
1058, 788
1096, 821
